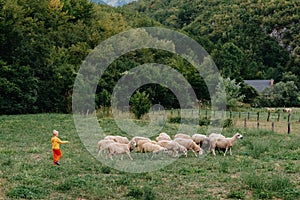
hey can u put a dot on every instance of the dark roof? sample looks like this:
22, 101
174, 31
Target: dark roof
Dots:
259, 85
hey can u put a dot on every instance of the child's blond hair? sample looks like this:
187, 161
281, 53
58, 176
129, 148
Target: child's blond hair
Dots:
55, 132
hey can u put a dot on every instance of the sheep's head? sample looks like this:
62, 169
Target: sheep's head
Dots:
239, 136
132, 145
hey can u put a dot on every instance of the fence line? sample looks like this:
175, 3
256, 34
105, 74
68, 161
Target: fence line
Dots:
274, 121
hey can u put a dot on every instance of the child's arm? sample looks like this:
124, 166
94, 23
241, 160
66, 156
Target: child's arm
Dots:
62, 142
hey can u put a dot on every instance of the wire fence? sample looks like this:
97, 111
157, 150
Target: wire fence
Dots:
278, 121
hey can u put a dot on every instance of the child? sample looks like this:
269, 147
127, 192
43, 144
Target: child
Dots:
55, 147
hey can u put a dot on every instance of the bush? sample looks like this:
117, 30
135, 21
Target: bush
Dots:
228, 123
140, 104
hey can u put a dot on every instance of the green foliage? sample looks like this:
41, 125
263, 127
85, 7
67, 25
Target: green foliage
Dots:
17, 95
43, 43
228, 93
228, 123
27, 192
140, 104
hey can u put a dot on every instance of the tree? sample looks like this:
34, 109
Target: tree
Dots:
286, 94
18, 89
229, 92
140, 104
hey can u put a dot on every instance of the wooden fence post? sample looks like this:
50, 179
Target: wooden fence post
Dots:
289, 127
257, 116
273, 127
257, 125
230, 114
278, 118
268, 118
245, 123
248, 115
240, 116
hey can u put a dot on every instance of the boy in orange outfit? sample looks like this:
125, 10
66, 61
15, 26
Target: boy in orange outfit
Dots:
55, 147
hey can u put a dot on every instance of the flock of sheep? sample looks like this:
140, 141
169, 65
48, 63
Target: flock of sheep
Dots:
179, 145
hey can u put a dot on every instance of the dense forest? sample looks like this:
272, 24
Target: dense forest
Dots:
43, 44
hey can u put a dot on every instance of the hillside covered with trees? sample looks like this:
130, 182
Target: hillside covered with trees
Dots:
44, 43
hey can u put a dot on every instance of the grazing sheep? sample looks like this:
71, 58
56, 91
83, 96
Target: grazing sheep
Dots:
154, 148
182, 135
118, 148
103, 144
224, 143
199, 138
140, 143
189, 144
174, 147
288, 110
116, 138
163, 136
215, 135
271, 110
136, 139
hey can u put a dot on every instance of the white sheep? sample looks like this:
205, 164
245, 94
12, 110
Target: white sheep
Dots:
173, 146
215, 135
224, 143
136, 139
288, 110
189, 144
117, 138
140, 143
103, 144
118, 148
199, 138
182, 135
271, 110
154, 148
163, 136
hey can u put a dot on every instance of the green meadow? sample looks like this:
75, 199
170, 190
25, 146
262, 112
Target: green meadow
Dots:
264, 165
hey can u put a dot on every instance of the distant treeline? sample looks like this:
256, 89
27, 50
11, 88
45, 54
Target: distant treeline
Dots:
43, 43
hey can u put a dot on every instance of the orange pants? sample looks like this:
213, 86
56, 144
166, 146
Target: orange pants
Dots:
56, 155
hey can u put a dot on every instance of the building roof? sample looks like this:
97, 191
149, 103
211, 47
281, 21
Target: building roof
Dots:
259, 85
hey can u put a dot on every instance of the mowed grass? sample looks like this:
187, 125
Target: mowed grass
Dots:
264, 165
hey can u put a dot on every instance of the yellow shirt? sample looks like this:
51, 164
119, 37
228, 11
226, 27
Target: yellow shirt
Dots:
56, 141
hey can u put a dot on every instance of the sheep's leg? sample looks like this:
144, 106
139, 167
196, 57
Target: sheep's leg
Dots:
195, 153
213, 152
225, 151
129, 156
230, 151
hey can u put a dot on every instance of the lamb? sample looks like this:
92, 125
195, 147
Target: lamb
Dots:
118, 148
224, 143
182, 135
116, 138
103, 144
189, 144
154, 148
173, 146
163, 136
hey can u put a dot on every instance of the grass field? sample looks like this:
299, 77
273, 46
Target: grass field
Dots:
264, 165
